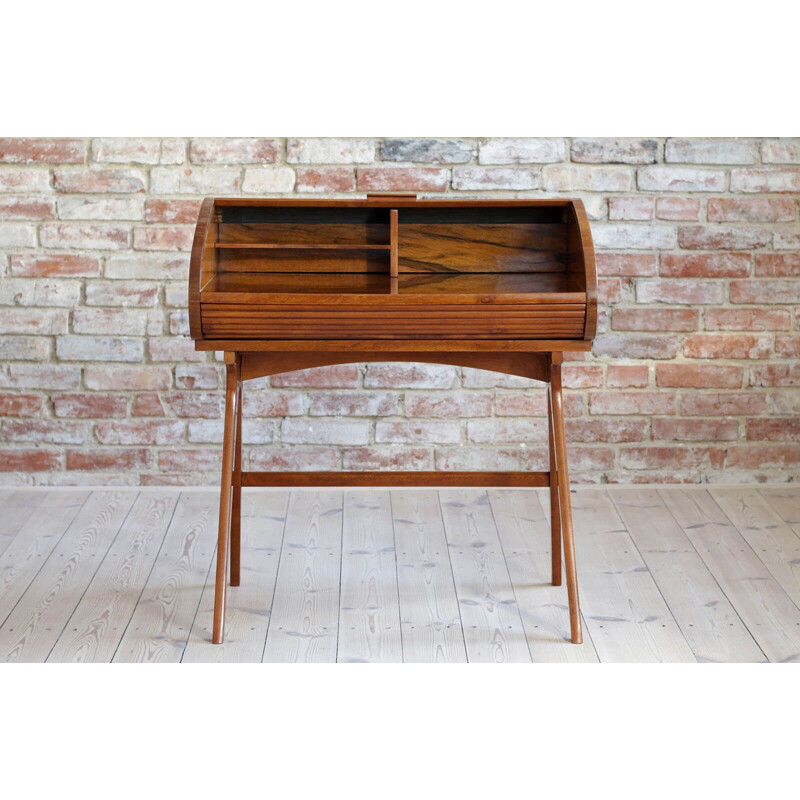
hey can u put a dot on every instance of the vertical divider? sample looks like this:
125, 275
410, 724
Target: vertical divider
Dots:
393, 237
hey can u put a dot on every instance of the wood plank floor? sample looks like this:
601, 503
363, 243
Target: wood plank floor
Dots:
671, 575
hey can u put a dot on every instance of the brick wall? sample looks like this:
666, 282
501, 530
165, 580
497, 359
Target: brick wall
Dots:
694, 374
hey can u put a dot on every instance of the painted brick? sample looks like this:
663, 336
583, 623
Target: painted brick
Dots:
409, 376
786, 239
636, 346
728, 404
522, 151
33, 320
787, 346
24, 461
681, 179
101, 208
296, 458
479, 458
330, 151
122, 293
126, 322
428, 151
575, 177
99, 348
700, 376
778, 265
705, 265
254, 431
17, 207
678, 208
325, 430
39, 376
747, 319
642, 403
655, 319
634, 237
107, 459
17, 235
172, 211
387, 457
138, 151
42, 151
715, 345
193, 459
344, 376
615, 151
24, 348
695, 430
148, 404
765, 180
751, 209
84, 236
491, 431
776, 429
49, 431
755, 457
448, 404
24, 180
606, 429
401, 179
775, 375
195, 180
163, 237
354, 404
626, 265
619, 376
325, 179
630, 208
39, 292
196, 376
582, 376
417, 432
234, 151
495, 178
90, 406
55, 265
146, 378
780, 151
99, 179
767, 291
273, 404
20, 405
139, 431
268, 181
783, 402
711, 151
698, 237
173, 348
147, 266
675, 292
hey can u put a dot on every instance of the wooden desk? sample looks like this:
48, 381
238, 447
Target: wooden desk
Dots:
283, 285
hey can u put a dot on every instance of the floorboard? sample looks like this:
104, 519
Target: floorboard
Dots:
378, 575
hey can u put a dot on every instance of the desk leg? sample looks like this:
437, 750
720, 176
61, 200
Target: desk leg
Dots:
565, 502
226, 496
555, 511
236, 514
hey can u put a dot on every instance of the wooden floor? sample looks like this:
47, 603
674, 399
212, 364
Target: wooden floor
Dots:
693, 574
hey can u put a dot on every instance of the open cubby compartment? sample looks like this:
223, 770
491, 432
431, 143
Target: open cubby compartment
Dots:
289, 239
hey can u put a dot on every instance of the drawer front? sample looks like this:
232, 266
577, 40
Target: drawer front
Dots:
233, 321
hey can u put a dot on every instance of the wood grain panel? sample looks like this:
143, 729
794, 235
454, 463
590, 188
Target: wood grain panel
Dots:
304, 261
37, 621
299, 233
249, 605
477, 247
159, 628
369, 610
305, 614
248, 321
493, 630
95, 628
525, 535
709, 623
429, 613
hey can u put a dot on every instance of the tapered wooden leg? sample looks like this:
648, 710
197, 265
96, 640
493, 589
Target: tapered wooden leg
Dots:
555, 511
236, 503
565, 502
225, 497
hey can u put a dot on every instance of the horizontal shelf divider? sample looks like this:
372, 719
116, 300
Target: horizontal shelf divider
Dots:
402, 478
275, 246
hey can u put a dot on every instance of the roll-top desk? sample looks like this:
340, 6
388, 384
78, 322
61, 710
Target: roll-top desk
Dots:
282, 285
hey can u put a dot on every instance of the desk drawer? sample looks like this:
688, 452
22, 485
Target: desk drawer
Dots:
247, 321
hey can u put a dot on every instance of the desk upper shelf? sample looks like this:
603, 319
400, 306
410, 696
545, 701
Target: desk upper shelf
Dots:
391, 268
